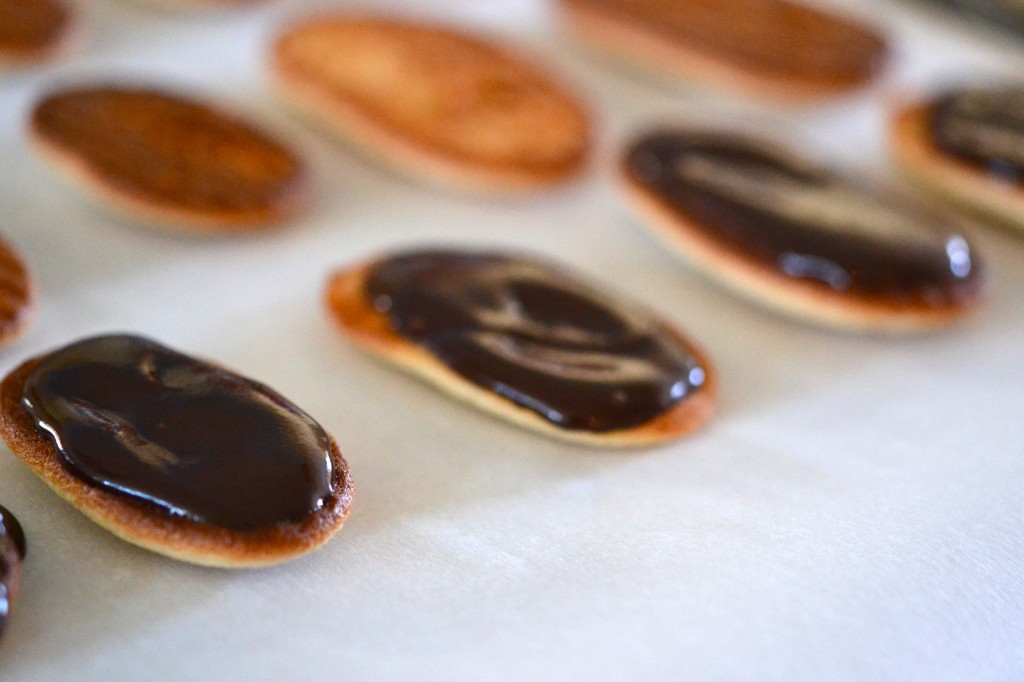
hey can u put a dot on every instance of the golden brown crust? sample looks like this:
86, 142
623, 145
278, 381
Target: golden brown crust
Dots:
632, 39
962, 182
803, 299
17, 295
156, 530
87, 163
443, 105
372, 331
35, 31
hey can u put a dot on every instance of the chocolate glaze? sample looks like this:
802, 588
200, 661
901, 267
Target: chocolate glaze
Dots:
536, 337
774, 37
179, 435
170, 150
984, 128
804, 222
11, 529
30, 26
12, 551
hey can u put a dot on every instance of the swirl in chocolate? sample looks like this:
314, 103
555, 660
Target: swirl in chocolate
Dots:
536, 337
984, 128
804, 223
180, 435
12, 552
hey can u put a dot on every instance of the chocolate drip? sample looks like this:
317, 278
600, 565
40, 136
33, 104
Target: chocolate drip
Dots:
12, 551
536, 337
182, 436
984, 128
776, 38
804, 222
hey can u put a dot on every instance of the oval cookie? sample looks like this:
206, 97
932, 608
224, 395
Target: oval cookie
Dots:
162, 158
434, 102
527, 342
799, 238
17, 295
968, 145
174, 454
772, 48
33, 31
12, 553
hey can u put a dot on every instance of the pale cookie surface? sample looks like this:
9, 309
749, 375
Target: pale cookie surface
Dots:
775, 48
17, 294
164, 158
529, 343
435, 102
174, 454
968, 144
798, 237
33, 30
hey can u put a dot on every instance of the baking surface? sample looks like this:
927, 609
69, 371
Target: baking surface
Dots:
854, 511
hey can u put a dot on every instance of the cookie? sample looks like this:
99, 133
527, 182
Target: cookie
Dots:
799, 238
176, 455
34, 31
436, 103
161, 158
775, 49
967, 145
17, 295
527, 342
12, 553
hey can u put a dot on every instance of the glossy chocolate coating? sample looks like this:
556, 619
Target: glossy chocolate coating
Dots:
775, 38
12, 551
182, 436
536, 337
168, 149
802, 222
984, 128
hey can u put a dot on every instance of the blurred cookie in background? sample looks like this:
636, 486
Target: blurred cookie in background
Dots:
161, 158
434, 102
967, 145
799, 238
35, 31
783, 51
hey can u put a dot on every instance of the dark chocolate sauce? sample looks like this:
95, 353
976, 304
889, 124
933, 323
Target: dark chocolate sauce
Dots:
536, 337
184, 436
12, 551
984, 128
11, 529
805, 222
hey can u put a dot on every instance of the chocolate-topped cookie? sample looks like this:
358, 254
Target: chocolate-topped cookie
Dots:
528, 342
968, 145
162, 158
798, 237
12, 553
435, 102
174, 454
782, 50
33, 31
